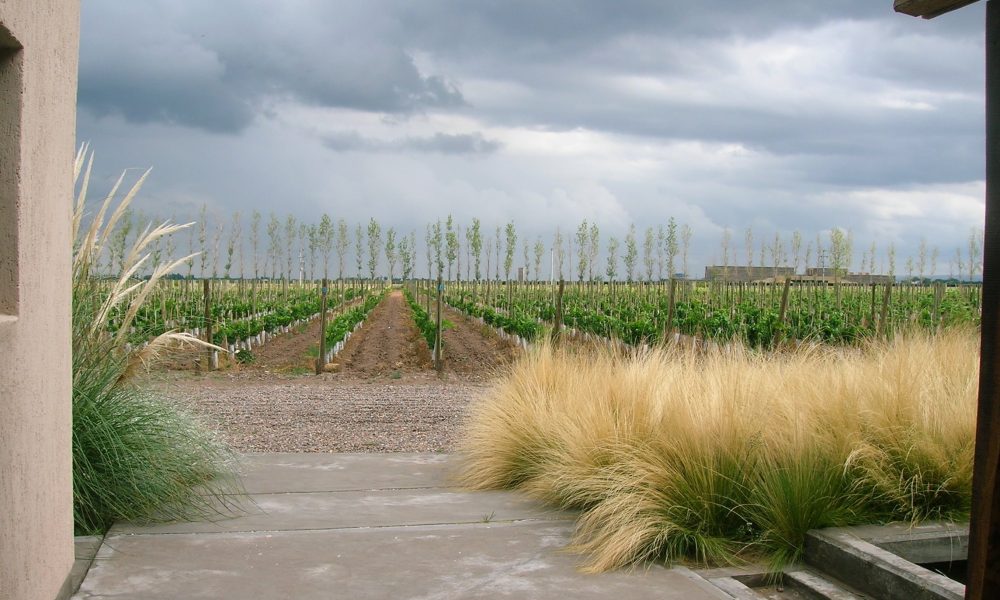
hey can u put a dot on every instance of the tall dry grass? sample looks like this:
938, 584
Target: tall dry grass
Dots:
715, 457
134, 454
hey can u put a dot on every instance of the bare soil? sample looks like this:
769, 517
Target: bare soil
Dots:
288, 353
388, 344
473, 351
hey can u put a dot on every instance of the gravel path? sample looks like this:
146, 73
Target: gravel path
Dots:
325, 414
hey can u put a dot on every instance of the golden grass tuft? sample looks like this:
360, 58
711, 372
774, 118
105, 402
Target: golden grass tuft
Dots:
713, 457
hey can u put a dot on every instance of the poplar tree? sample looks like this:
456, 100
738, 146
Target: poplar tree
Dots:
539, 252
661, 242
427, 247
527, 259
612, 269
476, 243
374, 242
359, 248
342, 244
406, 257
234, 242
390, 251
631, 254
593, 249
255, 242
671, 247
777, 253
511, 238
274, 249
202, 237
647, 253
796, 250
324, 242
557, 249
289, 243
451, 244
582, 251
437, 241
303, 238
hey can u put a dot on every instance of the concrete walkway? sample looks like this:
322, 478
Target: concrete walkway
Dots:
366, 526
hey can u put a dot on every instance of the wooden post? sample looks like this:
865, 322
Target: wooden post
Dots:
984, 534
438, 342
874, 300
783, 311
208, 323
321, 359
883, 328
668, 327
557, 326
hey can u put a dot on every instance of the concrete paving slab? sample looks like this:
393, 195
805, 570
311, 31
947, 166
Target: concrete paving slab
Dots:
519, 560
379, 508
289, 472
366, 526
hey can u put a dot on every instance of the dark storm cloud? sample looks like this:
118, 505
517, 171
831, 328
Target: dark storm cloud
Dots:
215, 66
442, 143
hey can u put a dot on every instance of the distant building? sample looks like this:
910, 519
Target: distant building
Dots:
869, 278
744, 274
825, 272
812, 274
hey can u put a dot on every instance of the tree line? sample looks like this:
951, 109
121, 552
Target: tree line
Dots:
287, 248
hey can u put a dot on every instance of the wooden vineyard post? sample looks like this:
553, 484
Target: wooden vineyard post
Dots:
783, 311
321, 359
557, 326
874, 300
668, 327
938, 294
437, 335
883, 318
208, 323
984, 533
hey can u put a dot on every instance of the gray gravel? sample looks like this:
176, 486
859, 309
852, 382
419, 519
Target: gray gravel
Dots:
327, 414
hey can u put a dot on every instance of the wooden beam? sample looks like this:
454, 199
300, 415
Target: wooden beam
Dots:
929, 9
984, 534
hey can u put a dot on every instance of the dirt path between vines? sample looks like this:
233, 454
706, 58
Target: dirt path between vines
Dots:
291, 353
474, 351
388, 344
287, 353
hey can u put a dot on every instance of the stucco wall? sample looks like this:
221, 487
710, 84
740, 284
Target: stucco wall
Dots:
36, 521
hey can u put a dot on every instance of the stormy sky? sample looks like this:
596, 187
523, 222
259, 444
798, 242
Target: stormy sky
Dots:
779, 116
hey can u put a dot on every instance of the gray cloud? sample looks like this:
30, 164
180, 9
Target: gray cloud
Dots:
217, 66
442, 143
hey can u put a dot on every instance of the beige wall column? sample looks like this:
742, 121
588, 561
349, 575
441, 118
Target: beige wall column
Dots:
39, 42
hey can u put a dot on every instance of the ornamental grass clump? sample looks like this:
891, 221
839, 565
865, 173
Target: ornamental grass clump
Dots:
732, 454
134, 455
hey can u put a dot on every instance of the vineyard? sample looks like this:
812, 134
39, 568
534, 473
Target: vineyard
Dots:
756, 315
638, 290
245, 314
